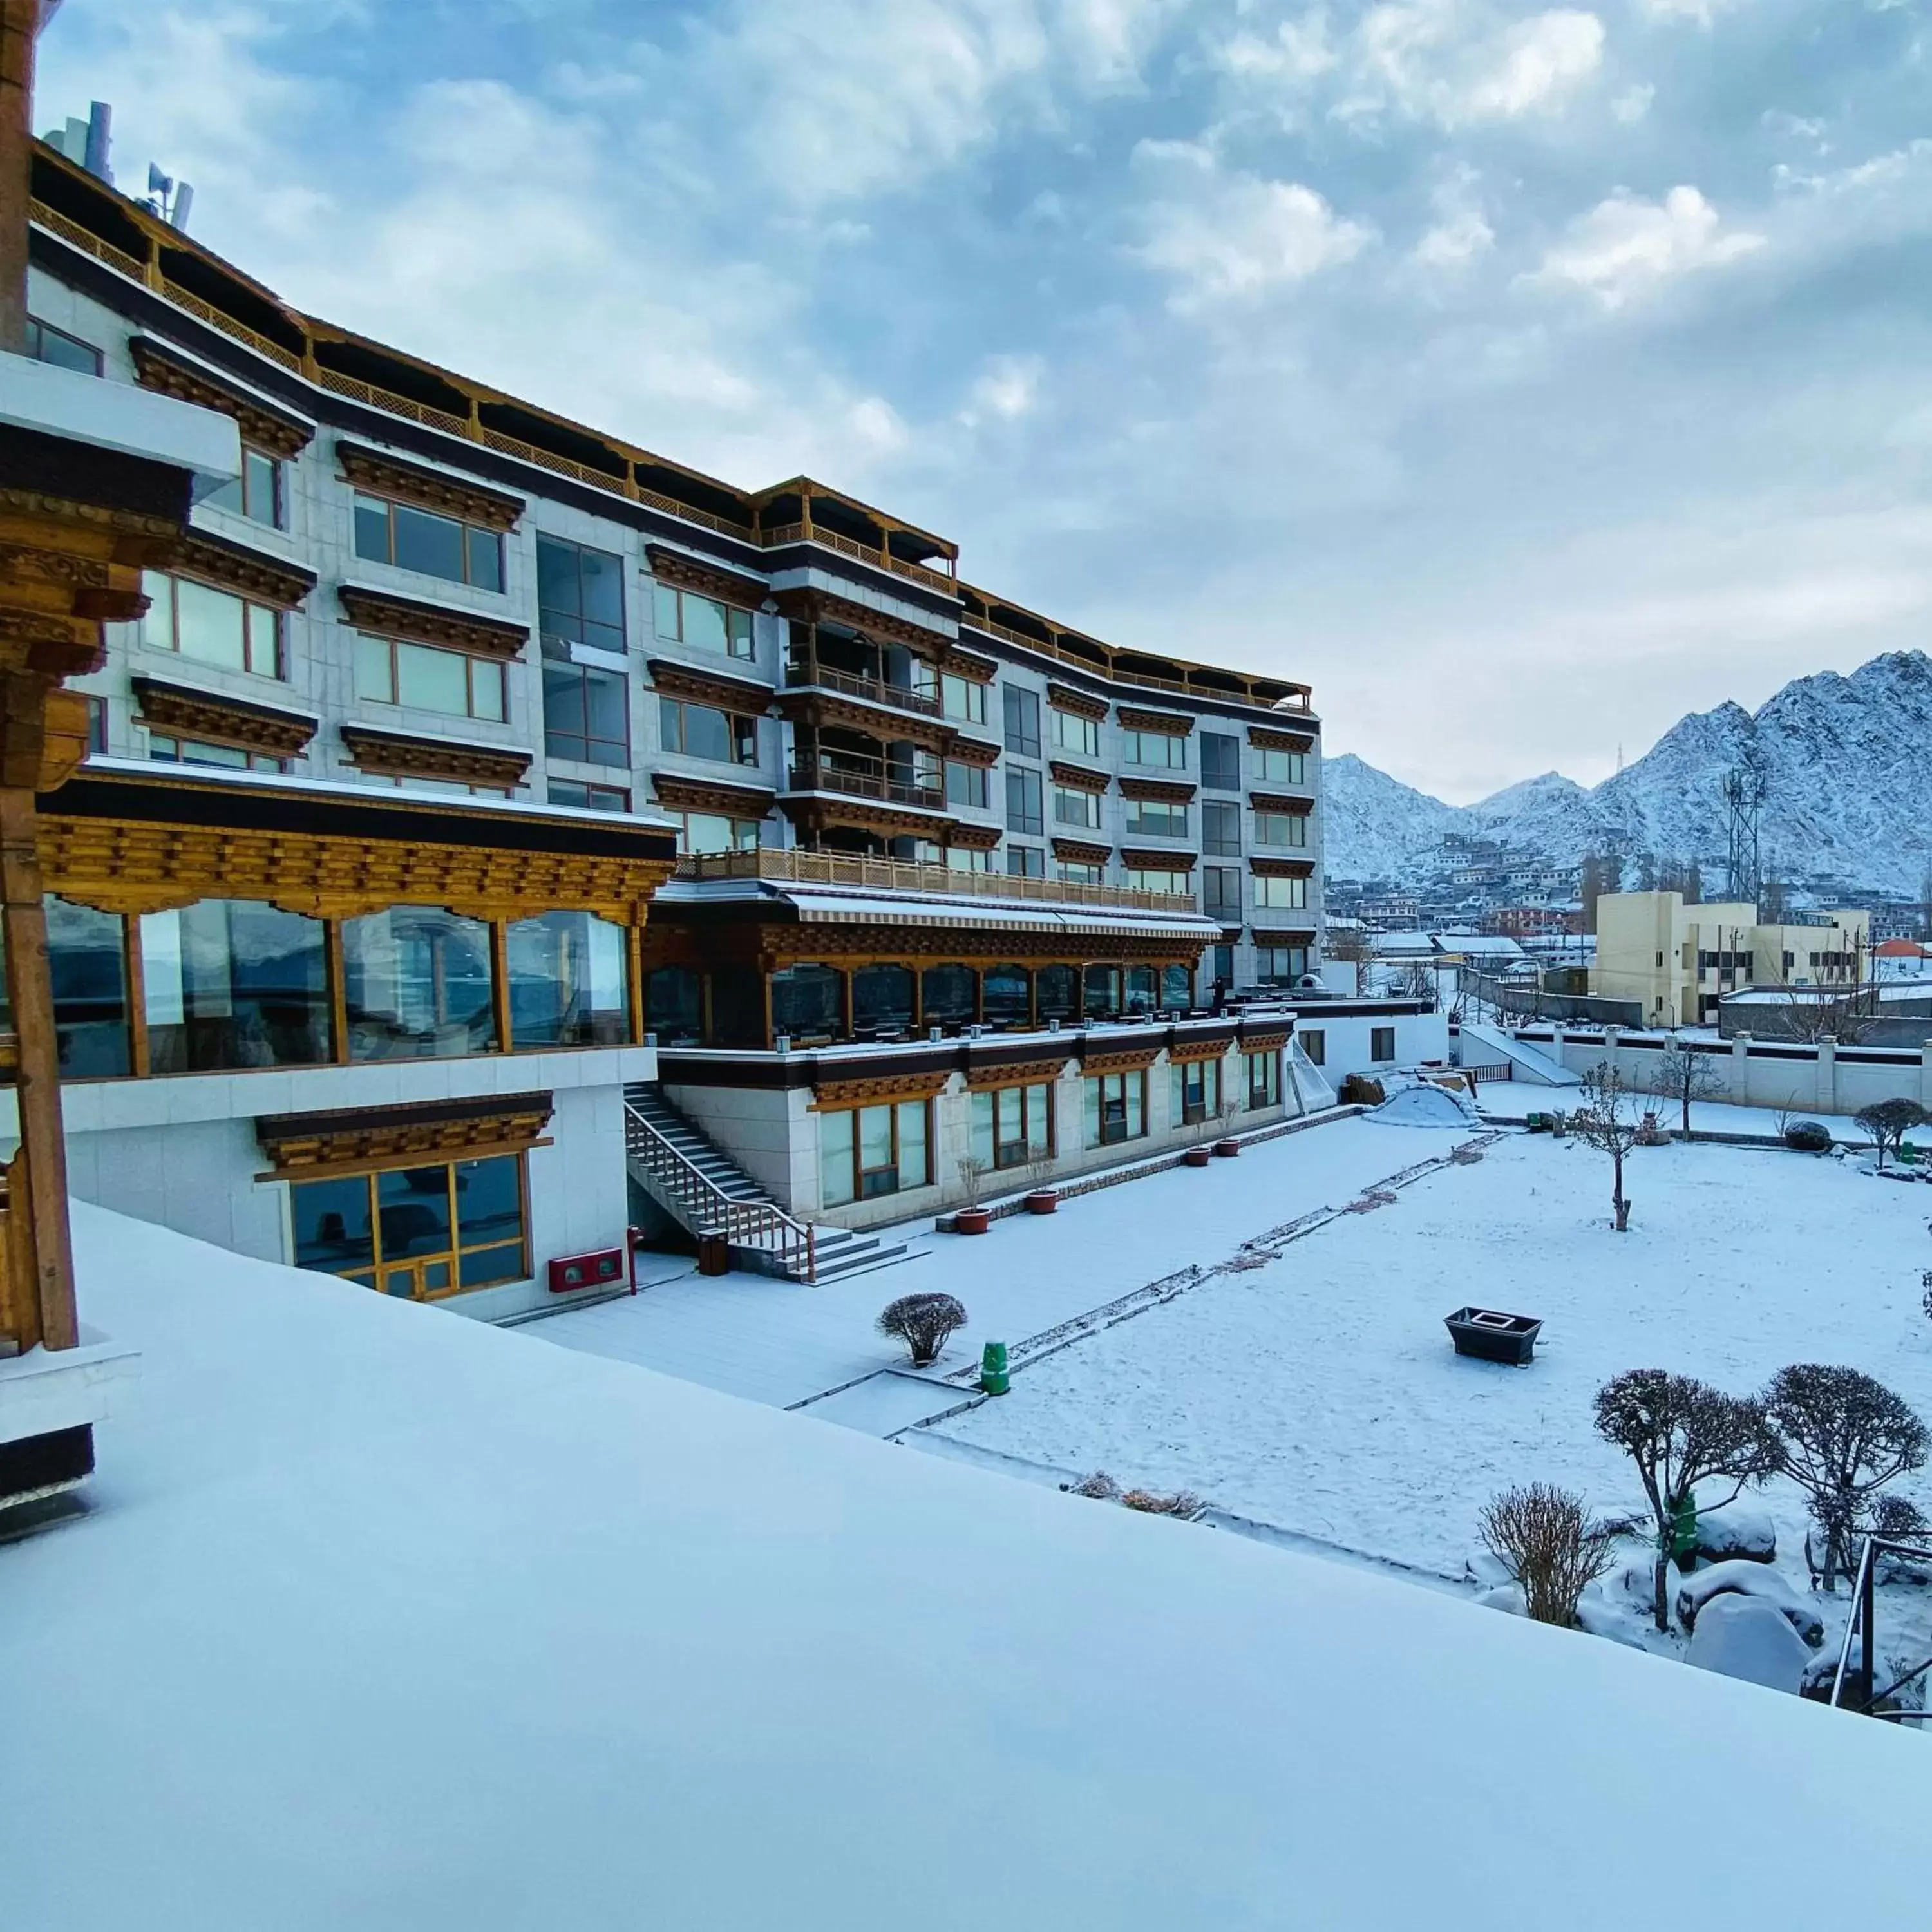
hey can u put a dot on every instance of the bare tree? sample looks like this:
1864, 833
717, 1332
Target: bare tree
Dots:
923, 1322
1551, 1546
1888, 1122
1351, 945
972, 1175
1680, 1432
1609, 1121
1841, 1438
1683, 1074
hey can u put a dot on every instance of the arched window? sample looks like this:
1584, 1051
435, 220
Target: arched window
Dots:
418, 984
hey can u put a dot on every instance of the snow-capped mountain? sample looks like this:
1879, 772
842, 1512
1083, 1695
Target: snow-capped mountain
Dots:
1847, 762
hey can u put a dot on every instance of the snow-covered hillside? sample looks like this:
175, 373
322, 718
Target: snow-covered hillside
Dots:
1848, 762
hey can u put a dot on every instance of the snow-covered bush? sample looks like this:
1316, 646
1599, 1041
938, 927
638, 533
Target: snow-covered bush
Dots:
1888, 1122
923, 1322
1749, 1579
1548, 1542
1808, 1137
1152, 1502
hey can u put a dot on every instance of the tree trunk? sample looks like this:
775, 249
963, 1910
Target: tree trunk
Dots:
1662, 1605
1687, 1113
1618, 1203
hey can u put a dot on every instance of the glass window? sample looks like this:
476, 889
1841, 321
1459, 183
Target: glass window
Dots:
1166, 748
1220, 762
232, 983
1115, 1108
838, 1176
1005, 992
1022, 720
809, 1000
418, 984
1100, 992
1026, 861
1220, 829
169, 751
1281, 767
674, 1006
389, 671
963, 699
1156, 817
256, 493
1079, 872
1197, 1092
1382, 1042
1012, 1126
570, 981
419, 1232
1314, 1047
881, 1000
1151, 879
1278, 828
703, 731
1025, 808
580, 594
212, 626
1264, 1071
586, 714
1076, 808
864, 1152
712, 831
682, 617
421, 540
1073, 732
947, 994
1281, 893
1221, 893
88, 963
966, 785
967, 859
47, 343
1176, 988
589, 797
1280, 965
1058, 988
1140, 985
96, 725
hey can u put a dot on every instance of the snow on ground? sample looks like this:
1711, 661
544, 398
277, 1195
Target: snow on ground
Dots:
1516, 1099
386, 1619
1321, 1393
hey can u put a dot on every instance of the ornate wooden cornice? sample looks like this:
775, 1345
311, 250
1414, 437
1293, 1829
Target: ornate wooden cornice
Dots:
830, 1096
809, 604
397, 753
707, 687
974, 838
386, 475
1016, 1072
708, 580
1183, 1052
1156, 859
390, 616
1080, 852
1263, 738
814, 705
157, 367
1297, 805
1064, 697
1283, 868
188, 712
1170, 722
366, 1140
1079, 778
1164, 791
1122, 1060
815, 812
968, 664
966, 751
683, 794
1291, 934
1264, 1043
234, 566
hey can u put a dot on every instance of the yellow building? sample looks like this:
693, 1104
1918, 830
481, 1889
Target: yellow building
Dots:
1677, 961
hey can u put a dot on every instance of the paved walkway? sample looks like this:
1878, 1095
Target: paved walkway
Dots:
785, 1344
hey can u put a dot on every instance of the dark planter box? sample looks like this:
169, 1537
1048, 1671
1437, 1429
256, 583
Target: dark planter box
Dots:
1196, 1156
1227, 1150
1494, 1337
972, 1220
1043, 1201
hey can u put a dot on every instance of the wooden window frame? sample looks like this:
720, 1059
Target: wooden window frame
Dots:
743, 728
1105, 1081
1027, 1090
1198, 1113
659, 588
859, 1196
1263, 1072
249, 604
362, 494
470, 660
1134, 742
1073, 731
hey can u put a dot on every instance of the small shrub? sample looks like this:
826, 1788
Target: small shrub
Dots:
1151, 1502
923, 1322
1808, 1137
1101, 1487
1888, 1122
1551, 1546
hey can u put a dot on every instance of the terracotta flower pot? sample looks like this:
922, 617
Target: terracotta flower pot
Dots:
971, 1220
1195, 1157
1043, 1201
1227, 1150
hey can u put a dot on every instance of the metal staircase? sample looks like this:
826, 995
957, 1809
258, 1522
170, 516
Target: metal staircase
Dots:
707, 1192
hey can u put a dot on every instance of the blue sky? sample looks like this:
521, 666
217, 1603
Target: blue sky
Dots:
1522, 377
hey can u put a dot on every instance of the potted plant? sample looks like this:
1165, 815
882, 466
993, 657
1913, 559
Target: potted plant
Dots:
1227, 1146
970, 1218
1041, 1199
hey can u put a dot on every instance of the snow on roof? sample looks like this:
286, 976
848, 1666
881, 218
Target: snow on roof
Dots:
388, 1618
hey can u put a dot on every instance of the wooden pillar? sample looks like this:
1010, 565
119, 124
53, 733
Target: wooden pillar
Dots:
640, 1011
45, 1247
20, 21
845, 997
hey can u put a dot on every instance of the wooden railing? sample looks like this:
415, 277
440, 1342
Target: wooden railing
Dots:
782, 865
681, 1183
808, 670
20, 1299
881, 559
867, 778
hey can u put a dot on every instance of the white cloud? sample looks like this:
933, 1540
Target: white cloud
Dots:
1625, 245
1224, 235
1633, 103
1702, 11
1540, 62
1007, 389
1461, 232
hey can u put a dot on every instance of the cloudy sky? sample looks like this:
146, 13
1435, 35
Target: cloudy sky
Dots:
1520, 378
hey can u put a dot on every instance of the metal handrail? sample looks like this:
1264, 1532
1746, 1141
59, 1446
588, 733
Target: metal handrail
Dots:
759, 1224
1860, 1625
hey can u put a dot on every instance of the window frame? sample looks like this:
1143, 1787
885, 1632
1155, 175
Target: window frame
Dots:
250, 605
1007, 1155
660, 590
968, 786
861, 1194
1099, 1086
1173, 746
1022, 720
973, 708
1263, 1080
621, 793
1382, 1046
1276, 893
1172, 822
1074, 731
1074, 806
1274, 766
555, 669
577, 551
470, 660
741, 726
391, 504
1026, 802
1297, 823
37, 333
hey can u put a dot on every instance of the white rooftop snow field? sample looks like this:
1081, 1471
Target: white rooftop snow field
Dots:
388, 1620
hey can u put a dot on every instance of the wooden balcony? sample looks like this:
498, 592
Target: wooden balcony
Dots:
810, 669
859, 777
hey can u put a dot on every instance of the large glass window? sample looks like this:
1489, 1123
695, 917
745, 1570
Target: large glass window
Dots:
1220, 829
703, 731
587, 797
421, 540
1071, 807
947, 994
421, 1232
963, 699
1166, 749
87, 960
809, 1001
1059, 990
256, 493
1025, 808
1025, 862
1197, 1092
684, 617
1140, 989
1280, 965
579, 595
1153, 879
570, 981
1176, 988
418, 984
169, 751
1073, 732
586, 714
1278, 894
1280, 767
1100, 992
1080, 872
1220, 762
1114, 1107
865, 1152
1022, 720
1012, 1126
212, 626
1279, 828
47, 343
674, 1006
426, 678
713, 832
1006, 994
881, 1000
1157, 818
1263, 1072
234, 982
1221, 893
966, 785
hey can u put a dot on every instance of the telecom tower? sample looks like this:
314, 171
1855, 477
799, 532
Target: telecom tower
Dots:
1744, 790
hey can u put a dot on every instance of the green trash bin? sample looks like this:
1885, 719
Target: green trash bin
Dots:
994, 1378
1683, 1541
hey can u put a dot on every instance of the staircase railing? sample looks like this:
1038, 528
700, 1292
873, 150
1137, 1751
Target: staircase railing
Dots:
678, 1179
1855, 1686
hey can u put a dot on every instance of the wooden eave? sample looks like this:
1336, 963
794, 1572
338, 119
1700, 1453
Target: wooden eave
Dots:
1282, 868
1265, 739
364, 1140
1134, 719
1081, 704
830, 1095
808, 604
1296, 805
1080, 852
166, 373
382, 475
1080, 778
816, 811
1163, 791
968, 664
390, 616
965, 751
1120, 1060
689, 794
268, 579
1034, 1072
1152, 858
187, 712
1266, 1042
1278, 933
397, 754
708, 580
708, 687
815, 704
974, 838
